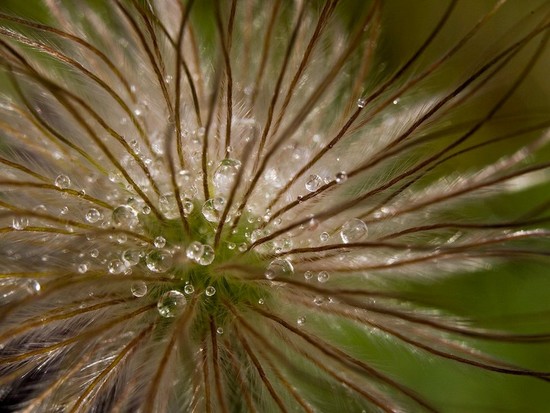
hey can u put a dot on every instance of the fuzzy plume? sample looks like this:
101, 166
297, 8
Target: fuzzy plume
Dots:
253, 206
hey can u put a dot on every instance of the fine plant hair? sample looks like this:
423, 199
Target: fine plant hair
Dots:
261, 206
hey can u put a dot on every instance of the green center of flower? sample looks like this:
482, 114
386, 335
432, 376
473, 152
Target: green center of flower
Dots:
191, 270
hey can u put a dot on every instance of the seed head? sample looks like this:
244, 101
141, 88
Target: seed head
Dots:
260, 206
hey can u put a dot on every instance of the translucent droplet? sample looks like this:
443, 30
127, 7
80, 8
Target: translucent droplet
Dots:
361, 103
313, 183
308, 275
324, 236
82, 268
159, 242
94, 253
212, 209
279, 268
146, 210
341, 177
121, 238
210, 291
168, 205
219, 330
323, 277
93, 215
189, 289
131, 257
32, 286
62, 181
207, 256
261, 301
116, 267
225, 173
125, 216
159, 261
139, 289
243, 247
353, 230
194, 250
171, 303
19, 223
318, 300
231, 245
187, 206
301, 321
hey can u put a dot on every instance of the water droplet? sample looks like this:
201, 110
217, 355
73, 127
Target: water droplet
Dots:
341, 177
139, 289
82, 268
125, 216
189, 289
207, 256
62, 181
353, 230
116, 266
94, 253
361, 103
279, 268
243, 247
171, 303
313, 183
324, 236
159, 242
131, 257
210, 291
318, 300
231, 245
301, 321
194, 250
261, 301
159, 261
225, 173
32, 286
323, 277
146, 210
187, 206
19, 223
308, 275
168, 205
212, 209
93, 215
219, 330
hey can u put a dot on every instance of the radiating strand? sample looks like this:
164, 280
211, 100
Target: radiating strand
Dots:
90, 332
228, 72
305, 110
44, 320
278, 85
82, 42
216, 364
372, 162
389, 151
351, 120
152, 394
397, 192
103, 377
266, 48
260, 370
344, 358
55, 88
58, 55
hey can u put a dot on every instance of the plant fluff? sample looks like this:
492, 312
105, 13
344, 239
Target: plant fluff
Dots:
248, 206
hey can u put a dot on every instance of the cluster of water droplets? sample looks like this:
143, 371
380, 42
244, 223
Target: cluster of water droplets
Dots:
200, 253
